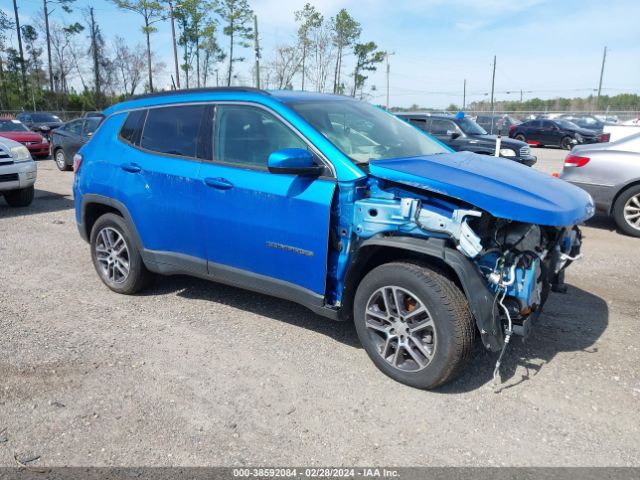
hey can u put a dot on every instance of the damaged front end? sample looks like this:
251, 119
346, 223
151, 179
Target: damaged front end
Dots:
519, 263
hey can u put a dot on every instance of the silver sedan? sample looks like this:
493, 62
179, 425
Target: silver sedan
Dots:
610, 172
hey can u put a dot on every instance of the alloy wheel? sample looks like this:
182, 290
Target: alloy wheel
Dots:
60, 160
401, 327
112, 255
632, 212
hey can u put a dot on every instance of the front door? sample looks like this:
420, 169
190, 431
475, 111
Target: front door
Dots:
259, 225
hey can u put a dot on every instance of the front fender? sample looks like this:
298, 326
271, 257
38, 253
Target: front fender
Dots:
480, 298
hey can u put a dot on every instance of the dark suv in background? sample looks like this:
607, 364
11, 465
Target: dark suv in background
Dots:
559, 132
463, 134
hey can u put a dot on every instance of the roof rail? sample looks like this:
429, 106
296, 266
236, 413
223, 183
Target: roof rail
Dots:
198, 90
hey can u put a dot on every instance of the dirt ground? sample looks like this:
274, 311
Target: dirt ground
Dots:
195, 373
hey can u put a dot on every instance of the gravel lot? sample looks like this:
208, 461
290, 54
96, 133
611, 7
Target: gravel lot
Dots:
195, 373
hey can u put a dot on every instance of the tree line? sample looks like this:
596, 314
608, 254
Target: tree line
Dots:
62, 60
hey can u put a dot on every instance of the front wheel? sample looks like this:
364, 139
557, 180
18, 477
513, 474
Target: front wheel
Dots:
20, 198
626, 211
116, 257
414, 323
566, 143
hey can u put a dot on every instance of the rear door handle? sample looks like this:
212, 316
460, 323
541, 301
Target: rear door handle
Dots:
219, 183
131, 167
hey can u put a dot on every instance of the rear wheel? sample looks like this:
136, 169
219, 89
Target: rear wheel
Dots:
414, 323
20, 198
61, 160
626, 211
115, 256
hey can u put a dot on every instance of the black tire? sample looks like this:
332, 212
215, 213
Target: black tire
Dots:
566, 143
628, 199
138, 276
453, 333
20, 198
520, 137
60, 160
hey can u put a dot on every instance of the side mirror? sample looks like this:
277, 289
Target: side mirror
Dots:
294, 161
453, 134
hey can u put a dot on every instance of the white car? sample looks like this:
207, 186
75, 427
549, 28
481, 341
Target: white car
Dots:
18, 173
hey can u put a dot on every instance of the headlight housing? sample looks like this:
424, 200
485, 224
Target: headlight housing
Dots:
20, 154
507, 152
578, 137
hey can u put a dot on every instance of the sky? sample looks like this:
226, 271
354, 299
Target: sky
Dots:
546, 48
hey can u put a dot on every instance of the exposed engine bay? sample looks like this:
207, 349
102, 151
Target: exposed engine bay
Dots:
520, 263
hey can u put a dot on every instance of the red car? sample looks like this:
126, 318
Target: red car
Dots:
37, 145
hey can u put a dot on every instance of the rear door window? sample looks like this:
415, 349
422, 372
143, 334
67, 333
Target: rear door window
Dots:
174, 130
74, 127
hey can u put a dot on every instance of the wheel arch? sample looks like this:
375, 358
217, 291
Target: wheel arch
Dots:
434, 252
94, 206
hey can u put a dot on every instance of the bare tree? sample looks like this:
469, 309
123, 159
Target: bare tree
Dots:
286, 64
129, 63
323, 55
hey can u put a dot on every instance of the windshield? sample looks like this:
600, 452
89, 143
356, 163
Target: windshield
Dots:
567, 124
45, 117
470, 127
364, 132
12, 126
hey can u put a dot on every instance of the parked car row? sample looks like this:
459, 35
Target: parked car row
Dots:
463, 134
45, 134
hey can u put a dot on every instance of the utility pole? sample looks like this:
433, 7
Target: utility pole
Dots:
22, 67
386, 56
46, 27
175, 48
464, 95
493, 82
256, 44
520, 95
604, 58
96, 63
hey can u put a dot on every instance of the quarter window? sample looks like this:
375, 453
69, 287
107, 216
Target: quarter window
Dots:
247, 135
132, 126
174, 130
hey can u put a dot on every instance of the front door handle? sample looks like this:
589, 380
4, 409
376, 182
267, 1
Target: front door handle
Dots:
131, 167
219, 183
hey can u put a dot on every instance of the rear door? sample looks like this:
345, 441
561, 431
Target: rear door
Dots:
550, 133
159, 162
272, 228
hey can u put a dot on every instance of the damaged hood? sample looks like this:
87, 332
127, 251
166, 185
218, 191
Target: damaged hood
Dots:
501, 187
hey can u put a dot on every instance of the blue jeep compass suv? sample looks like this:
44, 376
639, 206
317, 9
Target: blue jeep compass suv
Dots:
334, 204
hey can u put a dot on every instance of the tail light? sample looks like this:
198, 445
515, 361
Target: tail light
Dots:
77, 161
575, 161
512, 129
604, 137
